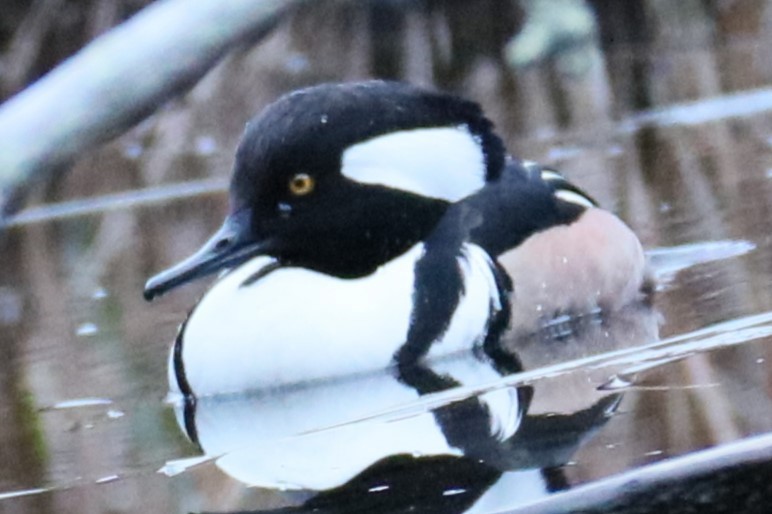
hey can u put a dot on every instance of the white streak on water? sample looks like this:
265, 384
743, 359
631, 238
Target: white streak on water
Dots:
177, 466
87, 329
667, 262
24, 492
720, 335
81, 402
124, 200
735, 105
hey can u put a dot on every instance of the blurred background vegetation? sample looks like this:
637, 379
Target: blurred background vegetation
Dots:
565, 70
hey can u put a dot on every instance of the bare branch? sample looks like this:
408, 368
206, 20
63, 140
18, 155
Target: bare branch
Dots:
117, 80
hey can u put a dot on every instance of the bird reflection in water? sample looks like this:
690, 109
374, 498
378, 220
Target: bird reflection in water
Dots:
373, 443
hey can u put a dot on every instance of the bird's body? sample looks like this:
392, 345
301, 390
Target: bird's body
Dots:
310, 325
374, 224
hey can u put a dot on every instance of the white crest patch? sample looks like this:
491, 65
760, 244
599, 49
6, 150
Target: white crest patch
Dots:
548, 175
446, 163
575, 198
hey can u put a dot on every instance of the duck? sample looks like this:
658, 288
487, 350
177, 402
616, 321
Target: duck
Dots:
378, 224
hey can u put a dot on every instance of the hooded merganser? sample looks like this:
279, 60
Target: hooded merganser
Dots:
370, 439
376, 223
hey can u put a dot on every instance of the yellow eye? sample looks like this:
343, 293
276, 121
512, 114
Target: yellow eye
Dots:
301, 184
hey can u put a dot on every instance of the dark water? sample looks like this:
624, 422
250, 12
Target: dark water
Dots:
669, 124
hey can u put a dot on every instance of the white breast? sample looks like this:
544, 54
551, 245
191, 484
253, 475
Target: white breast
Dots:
295, 325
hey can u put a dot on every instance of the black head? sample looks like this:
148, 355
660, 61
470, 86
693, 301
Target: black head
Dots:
341, 178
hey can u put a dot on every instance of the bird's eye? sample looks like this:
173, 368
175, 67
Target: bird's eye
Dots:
301, 184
